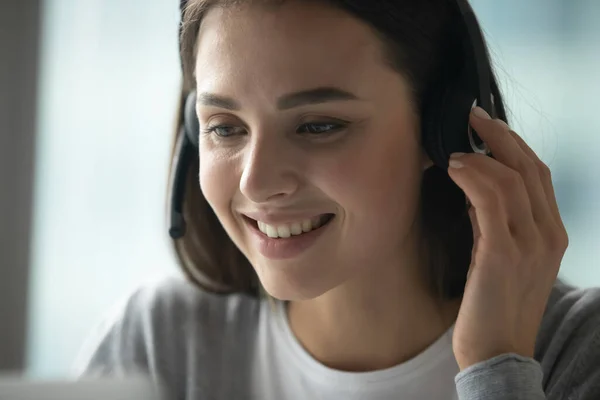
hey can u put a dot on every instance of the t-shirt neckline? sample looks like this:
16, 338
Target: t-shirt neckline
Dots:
437, 353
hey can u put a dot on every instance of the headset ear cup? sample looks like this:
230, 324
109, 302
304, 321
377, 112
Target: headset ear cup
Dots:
446, 123
190, 119
187, 142
431, 119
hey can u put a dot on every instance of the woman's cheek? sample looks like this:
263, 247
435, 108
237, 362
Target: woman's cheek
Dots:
216, 180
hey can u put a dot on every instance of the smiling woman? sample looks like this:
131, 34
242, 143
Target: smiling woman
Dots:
325, 230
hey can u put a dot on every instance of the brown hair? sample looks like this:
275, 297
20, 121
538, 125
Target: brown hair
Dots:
424, 46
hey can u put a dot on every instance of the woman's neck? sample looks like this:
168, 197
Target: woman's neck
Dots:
373, 322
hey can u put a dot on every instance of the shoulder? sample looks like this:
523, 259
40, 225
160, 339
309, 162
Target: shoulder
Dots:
572, 316
568, 343
160, 325
174, 300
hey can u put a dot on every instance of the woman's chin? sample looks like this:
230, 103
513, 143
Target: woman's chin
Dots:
290, 287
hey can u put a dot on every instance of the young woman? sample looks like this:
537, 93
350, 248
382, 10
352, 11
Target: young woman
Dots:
332, 250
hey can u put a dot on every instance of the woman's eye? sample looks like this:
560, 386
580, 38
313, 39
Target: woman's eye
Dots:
224, 131
319, 128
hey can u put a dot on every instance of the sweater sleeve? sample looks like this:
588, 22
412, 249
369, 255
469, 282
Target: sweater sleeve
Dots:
506, 377
566, 364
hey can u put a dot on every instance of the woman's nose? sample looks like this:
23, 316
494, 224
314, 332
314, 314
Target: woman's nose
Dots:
269, 172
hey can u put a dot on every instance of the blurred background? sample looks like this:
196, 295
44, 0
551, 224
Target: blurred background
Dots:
88, 90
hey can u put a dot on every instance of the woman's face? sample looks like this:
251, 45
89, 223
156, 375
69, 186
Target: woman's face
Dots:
309, 146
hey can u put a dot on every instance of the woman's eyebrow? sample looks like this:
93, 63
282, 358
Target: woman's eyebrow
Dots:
285, 102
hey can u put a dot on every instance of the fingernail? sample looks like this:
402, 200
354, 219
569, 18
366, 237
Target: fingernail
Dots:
480, 113
455, 164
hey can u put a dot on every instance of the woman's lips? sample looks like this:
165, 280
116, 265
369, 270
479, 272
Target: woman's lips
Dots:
278, 248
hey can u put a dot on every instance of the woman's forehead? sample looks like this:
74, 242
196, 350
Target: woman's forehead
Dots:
286, 47
304, 29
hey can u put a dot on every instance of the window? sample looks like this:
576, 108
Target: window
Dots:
108, 90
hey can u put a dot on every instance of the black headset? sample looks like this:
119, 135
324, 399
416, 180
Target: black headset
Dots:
445, 116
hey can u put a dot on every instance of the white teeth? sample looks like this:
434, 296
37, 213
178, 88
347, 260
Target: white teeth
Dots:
306, 225
284, 231
316, 222
296, 228
287, 230
271, 231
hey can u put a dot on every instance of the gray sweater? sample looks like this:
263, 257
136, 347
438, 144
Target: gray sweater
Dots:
198, 344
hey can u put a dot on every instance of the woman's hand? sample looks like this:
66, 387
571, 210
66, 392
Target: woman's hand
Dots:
519, 242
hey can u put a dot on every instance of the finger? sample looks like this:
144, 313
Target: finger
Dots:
545, 177
507, 151
498, 195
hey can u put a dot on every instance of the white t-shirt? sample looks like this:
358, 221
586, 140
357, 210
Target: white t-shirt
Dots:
283, 369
